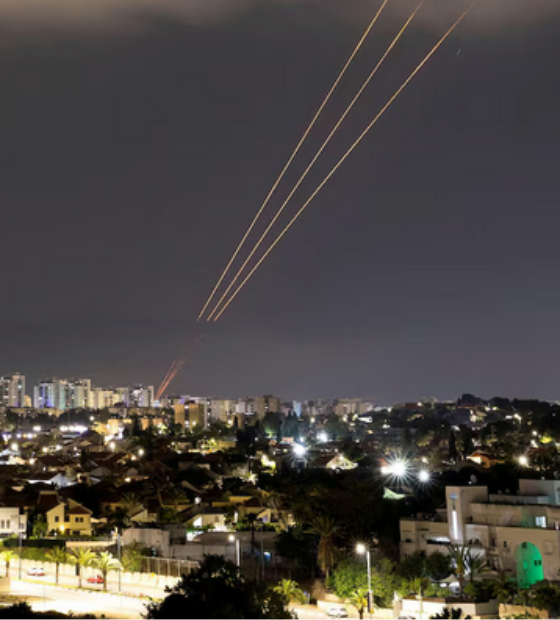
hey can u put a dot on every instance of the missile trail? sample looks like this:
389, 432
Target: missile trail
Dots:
346, 155
292, 157
178, 364
167, 374
314, 160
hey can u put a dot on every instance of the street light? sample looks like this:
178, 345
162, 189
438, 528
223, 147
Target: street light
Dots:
361, 549
233, 539
299, 449
523, 460
424, 475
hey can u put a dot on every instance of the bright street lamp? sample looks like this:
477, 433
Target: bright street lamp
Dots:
299, 450
523, 460
361, 549
424, 475
233, 539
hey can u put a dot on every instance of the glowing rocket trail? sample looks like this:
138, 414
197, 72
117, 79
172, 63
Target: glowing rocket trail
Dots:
314, 160
346, 155
178, 364
167, 375
293, 155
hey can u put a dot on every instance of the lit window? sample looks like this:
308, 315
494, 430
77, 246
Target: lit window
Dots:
540, 521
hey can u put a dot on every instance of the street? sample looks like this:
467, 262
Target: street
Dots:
66, 600
152, 590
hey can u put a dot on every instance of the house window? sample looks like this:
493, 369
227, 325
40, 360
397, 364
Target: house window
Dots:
540, 521
8, 525
56, 519
505, 544
66, 519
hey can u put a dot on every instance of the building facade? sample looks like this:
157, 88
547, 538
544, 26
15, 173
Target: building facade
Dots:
12, 390
518, 534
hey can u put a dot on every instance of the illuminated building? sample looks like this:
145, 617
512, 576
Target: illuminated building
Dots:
519, 534
12, 390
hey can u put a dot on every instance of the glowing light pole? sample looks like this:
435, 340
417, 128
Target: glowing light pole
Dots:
363, 550
233, 539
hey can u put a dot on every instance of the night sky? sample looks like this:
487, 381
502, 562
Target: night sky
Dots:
136, 146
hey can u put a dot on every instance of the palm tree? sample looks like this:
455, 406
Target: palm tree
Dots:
106, 563
81, 557
326, 528
465, 562
8, 557
59, 556
460, 558
291, 591
40, 526
129, 501
476, 565
359, 600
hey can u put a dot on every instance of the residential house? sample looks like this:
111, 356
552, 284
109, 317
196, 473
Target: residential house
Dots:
13, 521
519, 534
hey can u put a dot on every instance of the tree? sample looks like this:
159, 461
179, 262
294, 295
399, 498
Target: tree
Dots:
359, 600
132, 556
106, 563
40, 526
129, 501
217, 590
291, 591
81, 557
451, 614
464, 563
413, 566
438, 566
505, 589
327, 552
8, 557
59, 556
547, 596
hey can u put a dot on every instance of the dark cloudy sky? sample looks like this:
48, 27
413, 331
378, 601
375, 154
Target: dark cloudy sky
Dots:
137, 140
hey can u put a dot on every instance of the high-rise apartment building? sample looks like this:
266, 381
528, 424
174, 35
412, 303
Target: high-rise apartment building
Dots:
266, 404
62, 394
50, 394
12, 390
140, 396
220, 410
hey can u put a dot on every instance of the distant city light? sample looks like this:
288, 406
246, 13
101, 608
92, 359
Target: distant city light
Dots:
299, 449
14, 447
323, 437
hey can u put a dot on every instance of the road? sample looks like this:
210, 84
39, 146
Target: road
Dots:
65, 600
152, 590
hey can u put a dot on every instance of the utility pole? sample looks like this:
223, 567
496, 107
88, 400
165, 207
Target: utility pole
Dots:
119, 547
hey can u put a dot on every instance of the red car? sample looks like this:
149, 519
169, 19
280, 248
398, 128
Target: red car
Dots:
95, 579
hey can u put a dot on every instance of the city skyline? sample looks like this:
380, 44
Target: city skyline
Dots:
427, 267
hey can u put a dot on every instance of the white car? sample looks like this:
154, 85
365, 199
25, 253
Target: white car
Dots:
36, 572
337, 612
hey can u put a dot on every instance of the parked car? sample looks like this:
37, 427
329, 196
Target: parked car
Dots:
337, 612
95, 579
36, 572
